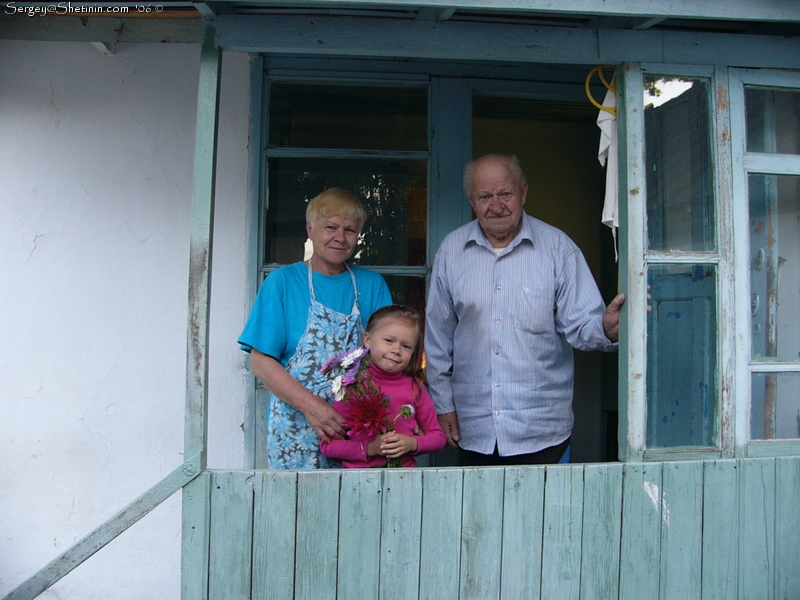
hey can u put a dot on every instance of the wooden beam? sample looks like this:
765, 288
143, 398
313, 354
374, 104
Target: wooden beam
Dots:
737, 10
495, 42
200, 249
107, 532
195, 498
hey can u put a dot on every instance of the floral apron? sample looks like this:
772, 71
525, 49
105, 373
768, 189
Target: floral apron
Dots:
291, 442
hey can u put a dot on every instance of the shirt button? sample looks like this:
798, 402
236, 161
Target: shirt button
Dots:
496, 385
497, 351
498, 288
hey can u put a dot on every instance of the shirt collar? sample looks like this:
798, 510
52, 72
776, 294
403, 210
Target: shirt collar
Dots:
525, 232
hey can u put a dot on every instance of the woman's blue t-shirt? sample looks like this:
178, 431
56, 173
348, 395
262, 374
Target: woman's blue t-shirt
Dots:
280, 312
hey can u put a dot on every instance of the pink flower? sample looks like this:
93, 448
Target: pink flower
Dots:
367, 415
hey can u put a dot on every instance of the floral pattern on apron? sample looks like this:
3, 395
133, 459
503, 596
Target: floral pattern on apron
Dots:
291, 441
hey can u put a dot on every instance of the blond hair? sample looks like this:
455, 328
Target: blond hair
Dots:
334, 202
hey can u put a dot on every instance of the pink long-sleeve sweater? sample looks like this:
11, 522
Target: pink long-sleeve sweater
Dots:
400, 390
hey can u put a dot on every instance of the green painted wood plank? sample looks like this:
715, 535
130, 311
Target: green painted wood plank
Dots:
499, 42
317, 534
274, 521
602, 523
720, 530
298, 34
640, 552
107, 532
787, 528
360, 533
195, 435
772, 448
440, 557
523, 514
756, 528
633, 272
400, 533
257, 399
200, 248
195, 537
722, 9
451, 149
231, 535
681, 530
481, 533
724, 49
780, 164
561, 538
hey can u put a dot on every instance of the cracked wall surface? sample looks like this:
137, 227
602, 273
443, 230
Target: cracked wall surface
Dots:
96, 161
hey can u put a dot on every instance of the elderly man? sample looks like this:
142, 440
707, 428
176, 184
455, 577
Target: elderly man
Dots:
509, 295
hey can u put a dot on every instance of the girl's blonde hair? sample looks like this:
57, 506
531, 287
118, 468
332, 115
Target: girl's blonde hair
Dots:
415, 368
334, 202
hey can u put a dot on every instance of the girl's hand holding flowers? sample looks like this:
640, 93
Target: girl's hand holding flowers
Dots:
392, 445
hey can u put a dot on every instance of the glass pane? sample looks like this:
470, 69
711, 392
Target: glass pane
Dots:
394, 192
305, 115
680, 186
682, 356
408, 290
775, 265
775, 406
773, 120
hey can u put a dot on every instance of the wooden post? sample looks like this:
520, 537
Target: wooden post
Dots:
195, 534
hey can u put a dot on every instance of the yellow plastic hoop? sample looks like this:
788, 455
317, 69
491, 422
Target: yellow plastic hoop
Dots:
611, 86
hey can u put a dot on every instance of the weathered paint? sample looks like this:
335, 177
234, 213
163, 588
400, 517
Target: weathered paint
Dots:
324, 35
688, 529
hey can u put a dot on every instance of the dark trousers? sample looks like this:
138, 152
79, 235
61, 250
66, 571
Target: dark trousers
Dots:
551, 455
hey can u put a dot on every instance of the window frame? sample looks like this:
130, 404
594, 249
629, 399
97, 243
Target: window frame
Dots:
746, 163
635, 258
268, 152
732, 164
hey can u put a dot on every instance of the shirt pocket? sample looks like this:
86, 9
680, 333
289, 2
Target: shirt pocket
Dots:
534, 309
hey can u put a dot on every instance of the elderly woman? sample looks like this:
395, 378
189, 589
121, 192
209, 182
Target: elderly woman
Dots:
304, 314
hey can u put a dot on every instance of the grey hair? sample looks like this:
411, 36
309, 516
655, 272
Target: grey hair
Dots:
509, 160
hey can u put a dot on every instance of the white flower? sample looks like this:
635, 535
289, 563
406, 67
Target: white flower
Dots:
338, 388
349, 359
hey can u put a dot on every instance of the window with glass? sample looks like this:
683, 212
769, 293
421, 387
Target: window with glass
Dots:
680, 200
368, 139
773, 201
682, 264
682, 356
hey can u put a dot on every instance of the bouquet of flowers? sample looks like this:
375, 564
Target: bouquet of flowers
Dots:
367, 407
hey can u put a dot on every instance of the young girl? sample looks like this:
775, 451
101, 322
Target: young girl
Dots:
390, 374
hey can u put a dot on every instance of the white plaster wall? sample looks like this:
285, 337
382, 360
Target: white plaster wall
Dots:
96, 158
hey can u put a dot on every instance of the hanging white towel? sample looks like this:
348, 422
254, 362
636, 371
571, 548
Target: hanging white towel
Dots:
607, 154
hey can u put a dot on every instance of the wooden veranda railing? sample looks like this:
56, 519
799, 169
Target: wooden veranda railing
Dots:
699, 530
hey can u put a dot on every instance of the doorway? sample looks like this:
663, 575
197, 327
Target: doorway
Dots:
556, 143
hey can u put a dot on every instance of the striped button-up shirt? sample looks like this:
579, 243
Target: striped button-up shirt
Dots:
498, 335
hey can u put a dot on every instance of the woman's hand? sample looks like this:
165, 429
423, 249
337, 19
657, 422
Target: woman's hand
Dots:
325, 420
327, 423
392, 445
